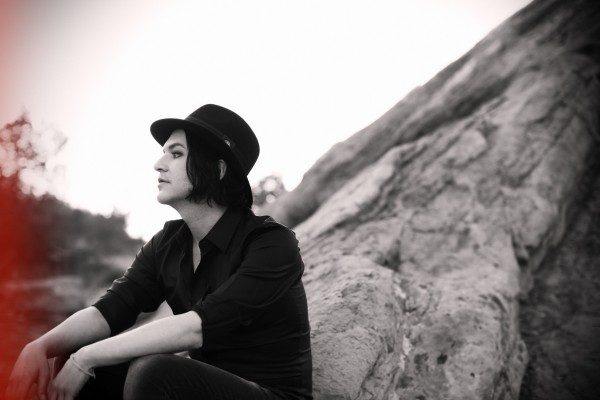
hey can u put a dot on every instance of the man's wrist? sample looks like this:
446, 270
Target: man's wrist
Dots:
84, 357
85, 369
83, 360
38, 346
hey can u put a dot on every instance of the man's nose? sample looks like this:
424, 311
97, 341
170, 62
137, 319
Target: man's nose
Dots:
160, 165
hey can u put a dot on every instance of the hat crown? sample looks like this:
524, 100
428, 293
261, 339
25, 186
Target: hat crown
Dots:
231, 129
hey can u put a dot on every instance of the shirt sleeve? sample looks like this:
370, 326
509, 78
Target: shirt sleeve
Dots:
271, 265
138, 290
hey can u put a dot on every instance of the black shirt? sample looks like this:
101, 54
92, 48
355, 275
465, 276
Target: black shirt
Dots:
247, 290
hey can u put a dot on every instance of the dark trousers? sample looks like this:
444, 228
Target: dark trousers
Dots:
165, 376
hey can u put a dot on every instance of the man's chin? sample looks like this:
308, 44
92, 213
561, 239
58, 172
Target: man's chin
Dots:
162, 199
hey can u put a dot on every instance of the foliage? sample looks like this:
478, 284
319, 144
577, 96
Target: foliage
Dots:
77, 241
42, 236
24, 155
268, 190
17, 153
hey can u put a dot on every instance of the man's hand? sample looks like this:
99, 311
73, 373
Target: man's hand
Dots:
31, 368
68, 383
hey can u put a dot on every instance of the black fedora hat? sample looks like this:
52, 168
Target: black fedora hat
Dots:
223, 130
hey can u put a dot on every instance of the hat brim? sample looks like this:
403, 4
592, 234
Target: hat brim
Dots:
163, 128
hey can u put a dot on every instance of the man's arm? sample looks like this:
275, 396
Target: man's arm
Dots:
167, 335
84, 327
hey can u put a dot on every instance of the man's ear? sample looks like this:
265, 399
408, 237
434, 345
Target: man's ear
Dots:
222, 169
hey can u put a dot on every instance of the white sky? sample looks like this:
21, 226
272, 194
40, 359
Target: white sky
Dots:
304, 74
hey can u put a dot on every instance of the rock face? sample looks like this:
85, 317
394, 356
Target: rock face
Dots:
560, 321
421, 232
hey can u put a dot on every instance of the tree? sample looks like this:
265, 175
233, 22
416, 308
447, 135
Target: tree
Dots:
268, 190
24, 155
18, 154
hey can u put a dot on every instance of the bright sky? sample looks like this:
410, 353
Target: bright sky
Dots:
304, 74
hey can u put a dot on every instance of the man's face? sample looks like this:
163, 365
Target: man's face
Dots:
173, 182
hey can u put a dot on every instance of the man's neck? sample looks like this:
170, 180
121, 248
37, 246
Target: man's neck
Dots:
200, 218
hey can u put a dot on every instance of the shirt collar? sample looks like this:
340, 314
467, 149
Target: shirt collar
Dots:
222, 232
183, 234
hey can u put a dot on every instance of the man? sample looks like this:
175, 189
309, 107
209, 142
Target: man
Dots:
232, 279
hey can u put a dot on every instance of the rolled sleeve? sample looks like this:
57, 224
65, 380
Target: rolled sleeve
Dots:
138, 290
270, 266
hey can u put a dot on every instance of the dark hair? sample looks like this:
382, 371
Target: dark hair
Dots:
202, 167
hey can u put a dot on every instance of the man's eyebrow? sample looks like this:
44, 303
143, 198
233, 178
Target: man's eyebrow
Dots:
173, 145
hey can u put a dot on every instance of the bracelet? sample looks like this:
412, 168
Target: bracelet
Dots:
89, 371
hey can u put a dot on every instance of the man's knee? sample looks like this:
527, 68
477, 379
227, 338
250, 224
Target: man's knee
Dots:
144, 376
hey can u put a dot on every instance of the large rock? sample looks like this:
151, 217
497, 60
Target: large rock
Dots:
560, 321
421, 232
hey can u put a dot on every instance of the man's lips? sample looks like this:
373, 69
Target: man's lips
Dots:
161, 182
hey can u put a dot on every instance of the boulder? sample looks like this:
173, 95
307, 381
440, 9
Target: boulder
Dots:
560, 319
422, 232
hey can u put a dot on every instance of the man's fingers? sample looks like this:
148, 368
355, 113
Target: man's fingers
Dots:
43, 378
51, 395
11, 391
17, 392
16, 389
52, 392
